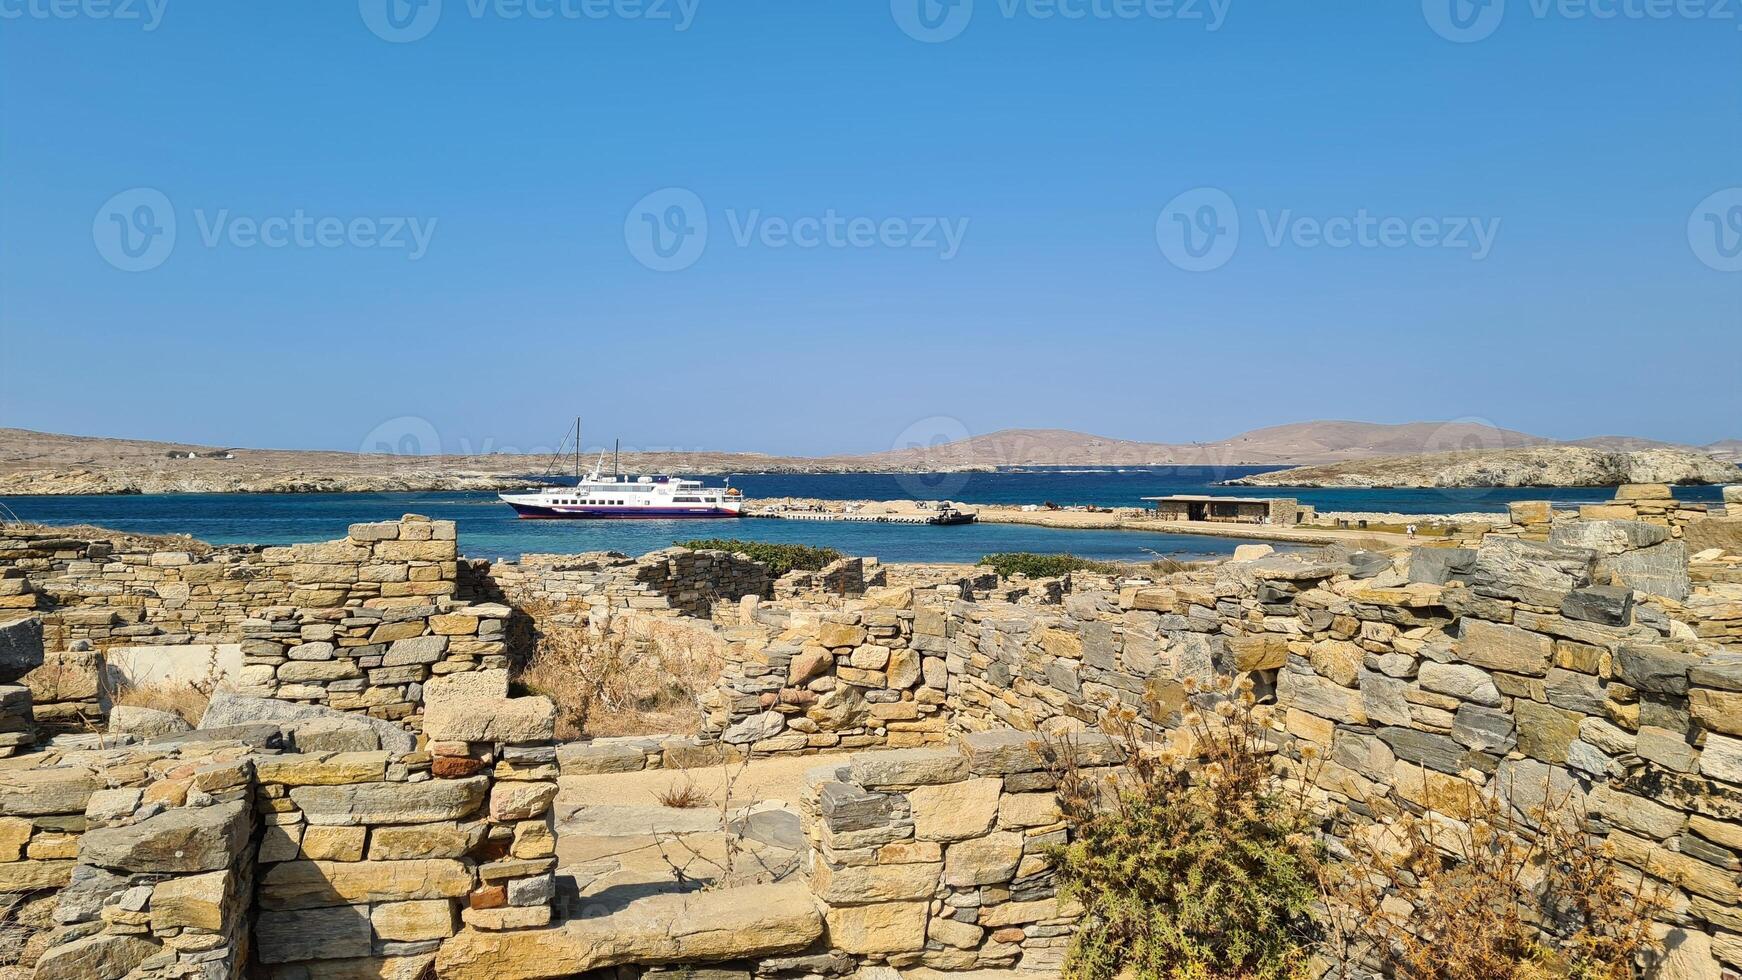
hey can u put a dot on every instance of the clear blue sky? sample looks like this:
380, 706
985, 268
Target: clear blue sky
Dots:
529, 142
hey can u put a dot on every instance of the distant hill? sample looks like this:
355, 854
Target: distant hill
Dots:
47, 463
1531, 466
1293, 444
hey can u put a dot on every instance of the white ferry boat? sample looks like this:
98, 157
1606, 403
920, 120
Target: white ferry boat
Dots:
600, 496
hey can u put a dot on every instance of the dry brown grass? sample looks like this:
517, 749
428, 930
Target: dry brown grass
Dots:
683, 794
609, 682
187, 700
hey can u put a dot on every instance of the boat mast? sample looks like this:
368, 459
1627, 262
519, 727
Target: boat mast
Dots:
615, 451
577, 449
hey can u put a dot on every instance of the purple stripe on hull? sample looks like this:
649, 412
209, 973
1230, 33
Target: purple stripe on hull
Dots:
624, 513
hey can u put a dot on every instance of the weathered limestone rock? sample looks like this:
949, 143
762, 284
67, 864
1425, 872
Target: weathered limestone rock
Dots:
1610, 605
20, 649
955, 811
474, 706
908, 767
1722, 758
869, 884
892, 927
1659, 669
1658, 570
1460, 681
1608, 537
1437, 566
317, 884
698, 927
510, 801
177, 841
145, 723
230, 709
190, 901
105, 956
41, 792
1001, 752
1497, 646
987, 860
391, 803
588, 758
413, 921
333, 933
754, 728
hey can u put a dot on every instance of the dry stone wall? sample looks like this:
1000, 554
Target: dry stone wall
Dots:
1520, 667
675, 581
937, 857
115, 589
867, 672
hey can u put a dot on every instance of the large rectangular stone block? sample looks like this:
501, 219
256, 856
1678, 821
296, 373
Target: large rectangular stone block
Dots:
318, 884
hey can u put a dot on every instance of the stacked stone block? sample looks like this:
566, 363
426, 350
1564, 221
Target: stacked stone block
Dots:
936, 857
368, 659
373, 859
869, 672
151, 848
675, 581
20, 655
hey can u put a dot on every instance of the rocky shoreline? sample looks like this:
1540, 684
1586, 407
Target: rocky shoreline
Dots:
1537, 466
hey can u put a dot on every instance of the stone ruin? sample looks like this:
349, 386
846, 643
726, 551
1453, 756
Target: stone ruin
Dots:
329, 830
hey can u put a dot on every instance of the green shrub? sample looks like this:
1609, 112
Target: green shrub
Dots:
780, 558
1008, 563
1200, 866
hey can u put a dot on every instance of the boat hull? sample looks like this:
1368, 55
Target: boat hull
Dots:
586, 513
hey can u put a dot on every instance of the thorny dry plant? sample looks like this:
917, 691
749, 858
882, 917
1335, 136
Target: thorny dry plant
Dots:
738, 864
1195, 856
605, 683
1488, 893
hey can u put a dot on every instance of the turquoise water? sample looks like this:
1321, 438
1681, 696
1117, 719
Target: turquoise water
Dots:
488, 527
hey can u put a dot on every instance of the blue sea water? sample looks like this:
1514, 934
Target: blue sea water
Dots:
488, 528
